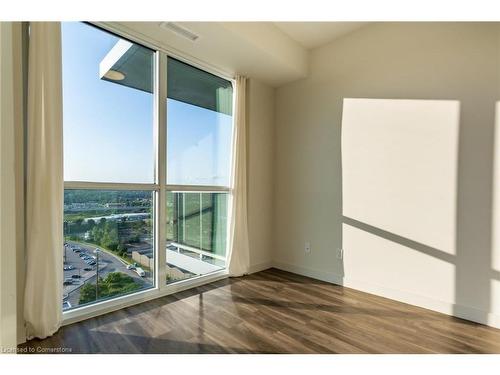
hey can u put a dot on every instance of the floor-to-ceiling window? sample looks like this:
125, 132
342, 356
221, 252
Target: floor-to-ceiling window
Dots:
147, 167
199, 142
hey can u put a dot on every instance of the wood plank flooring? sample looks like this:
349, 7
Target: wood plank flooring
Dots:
274, 312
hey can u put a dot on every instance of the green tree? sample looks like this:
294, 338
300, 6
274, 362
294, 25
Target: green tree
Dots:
87, 293
110, 237
96, 234
122, 249
91, 223
114, 284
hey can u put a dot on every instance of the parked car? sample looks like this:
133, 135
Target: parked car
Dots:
75, 276
92, 263
68, 268
76, 250
140, 272
68, 281
131, 267
88, 269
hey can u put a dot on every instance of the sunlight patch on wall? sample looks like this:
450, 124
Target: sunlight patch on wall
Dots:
387, 263
399, 167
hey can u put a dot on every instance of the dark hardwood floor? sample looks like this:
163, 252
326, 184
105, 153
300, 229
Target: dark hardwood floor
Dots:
274, 312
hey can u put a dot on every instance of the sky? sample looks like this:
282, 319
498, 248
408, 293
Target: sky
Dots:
108, 128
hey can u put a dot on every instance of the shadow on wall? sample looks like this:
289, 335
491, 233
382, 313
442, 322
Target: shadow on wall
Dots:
417, 200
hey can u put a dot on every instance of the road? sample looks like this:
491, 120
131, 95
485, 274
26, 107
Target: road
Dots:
107, 263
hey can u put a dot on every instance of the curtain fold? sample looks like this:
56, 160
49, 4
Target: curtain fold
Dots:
239, 254
44, 183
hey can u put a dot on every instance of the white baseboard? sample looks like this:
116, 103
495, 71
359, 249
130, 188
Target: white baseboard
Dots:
260, 267
448, 308
309, 272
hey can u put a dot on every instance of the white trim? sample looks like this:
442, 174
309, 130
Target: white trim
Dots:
197, 189
147, 41
444, 307
104, 307
109, 185
309, 272
161, 169
198, 251
260, 267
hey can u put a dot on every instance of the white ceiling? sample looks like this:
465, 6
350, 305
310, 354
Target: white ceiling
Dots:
315, 34
275, 53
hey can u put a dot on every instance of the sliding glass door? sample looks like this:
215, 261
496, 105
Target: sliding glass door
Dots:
147, 168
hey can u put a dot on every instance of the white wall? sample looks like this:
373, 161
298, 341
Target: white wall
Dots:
431, 61
260, 138
399, 160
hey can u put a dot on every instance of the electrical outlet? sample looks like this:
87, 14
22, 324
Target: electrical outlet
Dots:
307, 247
340, 253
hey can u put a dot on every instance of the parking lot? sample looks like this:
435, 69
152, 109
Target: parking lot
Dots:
82, 273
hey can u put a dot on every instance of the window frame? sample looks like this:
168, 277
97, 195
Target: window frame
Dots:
159, 187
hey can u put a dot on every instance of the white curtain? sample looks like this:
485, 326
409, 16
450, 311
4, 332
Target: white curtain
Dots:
44, 183
239, 256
